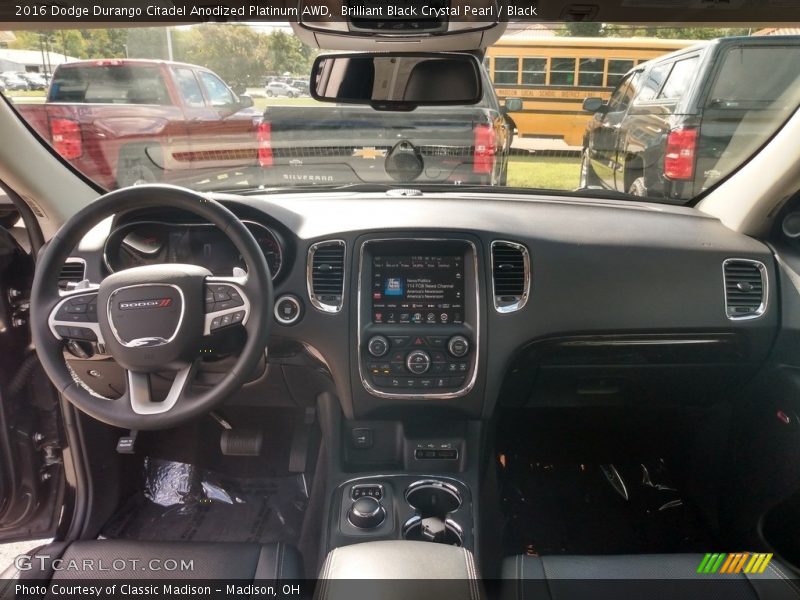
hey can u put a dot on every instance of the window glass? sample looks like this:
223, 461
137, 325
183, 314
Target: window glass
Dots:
590, 72
562, 71
617, 67
680, 78
218, 92
534, 71
505, 70
622, 96
653, 82
112, 84
188, 88
757, 78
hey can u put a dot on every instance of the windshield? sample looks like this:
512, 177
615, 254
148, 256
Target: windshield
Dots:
654, 113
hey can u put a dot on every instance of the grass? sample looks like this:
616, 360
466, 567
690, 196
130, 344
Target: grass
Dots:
25, 93
544, 172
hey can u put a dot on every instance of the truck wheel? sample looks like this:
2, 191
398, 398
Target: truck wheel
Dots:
135, 168
638, 188
290, 94
588, 177
269, 94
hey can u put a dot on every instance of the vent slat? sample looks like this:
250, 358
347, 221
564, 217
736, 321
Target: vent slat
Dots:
745, 289
71, 272
509, 276
327, 275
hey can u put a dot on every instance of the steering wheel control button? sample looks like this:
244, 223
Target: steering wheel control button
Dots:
458, 346
366, 513
222, 297
287, 310
378, 346
418, 362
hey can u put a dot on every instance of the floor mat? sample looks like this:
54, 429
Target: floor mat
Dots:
585, 508
182, 502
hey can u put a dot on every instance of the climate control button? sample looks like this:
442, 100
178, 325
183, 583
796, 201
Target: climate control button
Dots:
418, 362
378, 346
458, 346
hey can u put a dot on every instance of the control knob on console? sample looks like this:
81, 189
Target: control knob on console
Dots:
418, 362
366, 513
378, 346
458, 346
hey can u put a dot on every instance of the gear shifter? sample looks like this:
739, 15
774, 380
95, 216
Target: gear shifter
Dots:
366, 513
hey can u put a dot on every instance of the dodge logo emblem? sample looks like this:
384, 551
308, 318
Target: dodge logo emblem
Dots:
153, 303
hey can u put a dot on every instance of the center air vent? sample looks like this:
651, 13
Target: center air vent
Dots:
745, 288
73, 271
511, 276
325, 275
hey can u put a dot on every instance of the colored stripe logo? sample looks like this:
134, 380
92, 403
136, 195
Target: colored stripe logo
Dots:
737, 562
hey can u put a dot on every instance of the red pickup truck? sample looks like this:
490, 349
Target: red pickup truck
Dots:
123, 122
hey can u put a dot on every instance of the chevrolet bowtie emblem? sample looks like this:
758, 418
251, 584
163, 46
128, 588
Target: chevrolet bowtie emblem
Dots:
371, 153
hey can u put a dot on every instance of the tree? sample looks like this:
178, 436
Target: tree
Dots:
237, 53
147, 42
287, 54
583, 29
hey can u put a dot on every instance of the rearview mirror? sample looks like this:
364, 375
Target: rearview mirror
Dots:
513, 105
594, 105
397, 81
245, 101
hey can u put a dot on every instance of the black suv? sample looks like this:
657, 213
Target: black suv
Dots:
676, 125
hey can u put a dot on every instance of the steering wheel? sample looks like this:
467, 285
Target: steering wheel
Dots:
151, 318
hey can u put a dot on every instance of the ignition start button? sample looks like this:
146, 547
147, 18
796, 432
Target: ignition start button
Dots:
288, 310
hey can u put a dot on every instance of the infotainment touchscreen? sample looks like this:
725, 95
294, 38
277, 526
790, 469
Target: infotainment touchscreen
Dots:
426, 289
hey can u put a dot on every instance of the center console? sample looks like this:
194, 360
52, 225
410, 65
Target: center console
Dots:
418, 317
432, 509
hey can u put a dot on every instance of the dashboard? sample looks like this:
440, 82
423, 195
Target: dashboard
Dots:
458, 302
139, 243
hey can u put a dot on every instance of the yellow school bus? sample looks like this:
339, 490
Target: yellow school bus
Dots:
552, 76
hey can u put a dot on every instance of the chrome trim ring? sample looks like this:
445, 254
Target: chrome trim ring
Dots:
137, 342
315, 302
762, 308
287, 298
526, 262
470, 384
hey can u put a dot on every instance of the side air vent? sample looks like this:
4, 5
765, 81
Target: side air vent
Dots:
745, 288
511, 276
325, 275
73, 271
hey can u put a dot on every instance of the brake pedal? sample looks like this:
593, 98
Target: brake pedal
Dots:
241, 442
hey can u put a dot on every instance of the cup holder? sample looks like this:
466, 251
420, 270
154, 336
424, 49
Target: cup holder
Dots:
433, 501
418, 531
431, 498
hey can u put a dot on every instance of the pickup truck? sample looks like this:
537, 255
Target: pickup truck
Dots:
344, 144
678, 124
122, 122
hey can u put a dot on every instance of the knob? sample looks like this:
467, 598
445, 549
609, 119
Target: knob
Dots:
378, 346
458, 346
418, 362
366, 513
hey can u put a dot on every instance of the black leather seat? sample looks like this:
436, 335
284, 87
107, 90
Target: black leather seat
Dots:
645, 576
124, 559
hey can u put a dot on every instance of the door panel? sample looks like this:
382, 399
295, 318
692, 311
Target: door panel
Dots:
31, 466
607, 134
